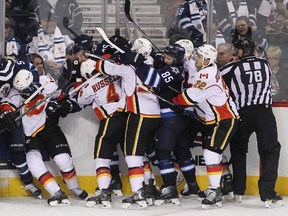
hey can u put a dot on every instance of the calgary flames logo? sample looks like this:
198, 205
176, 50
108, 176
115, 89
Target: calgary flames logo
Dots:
37, 110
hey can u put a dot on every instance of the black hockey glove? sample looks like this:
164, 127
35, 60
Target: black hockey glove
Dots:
180, 110
30, 90
7, 120
158, 60
129, 57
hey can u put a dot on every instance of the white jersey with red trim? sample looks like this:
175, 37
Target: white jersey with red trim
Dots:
211, 96
104, 93
34, 121
140, 99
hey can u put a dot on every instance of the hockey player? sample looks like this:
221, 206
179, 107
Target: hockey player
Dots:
141, 127
217, 110
143, 109
14, 135
188, 17
42, 133
172, 134
107, 97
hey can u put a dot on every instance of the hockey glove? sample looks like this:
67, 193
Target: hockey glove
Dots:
180, 110
129, 57
30, 90
7, 120
158, 60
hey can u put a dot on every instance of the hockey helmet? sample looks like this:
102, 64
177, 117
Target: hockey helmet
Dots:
22, 79
176, 51
187, 44
208, 52
143, 46
87, 68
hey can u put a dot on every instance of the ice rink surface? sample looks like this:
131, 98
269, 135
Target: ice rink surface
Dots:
29, 206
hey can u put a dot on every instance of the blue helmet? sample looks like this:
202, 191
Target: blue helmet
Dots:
176, 51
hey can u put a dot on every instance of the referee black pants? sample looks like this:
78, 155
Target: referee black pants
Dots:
261, 121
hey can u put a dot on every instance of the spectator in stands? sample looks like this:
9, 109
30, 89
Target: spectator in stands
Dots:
50, 43
278, 77
13, 46
64, 8
38, 62
243, 30
23, 12
227, 12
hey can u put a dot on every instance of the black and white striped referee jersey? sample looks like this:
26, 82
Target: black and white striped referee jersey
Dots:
249, 81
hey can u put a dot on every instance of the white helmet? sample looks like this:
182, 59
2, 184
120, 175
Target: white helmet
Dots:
87, 67
208, 52
22, 80
187, 45
143, 46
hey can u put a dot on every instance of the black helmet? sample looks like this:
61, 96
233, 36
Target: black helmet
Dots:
176, 51
84, 41
244, 43
121, 42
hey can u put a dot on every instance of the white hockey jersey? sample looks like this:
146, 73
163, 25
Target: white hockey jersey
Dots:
210, 95
34, 121
140, 99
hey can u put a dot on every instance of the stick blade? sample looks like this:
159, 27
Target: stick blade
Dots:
127, 10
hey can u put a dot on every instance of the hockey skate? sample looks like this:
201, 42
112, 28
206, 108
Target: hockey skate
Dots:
116, 187
36, 192
102, 199
227, 190
59, 199
237, 198
150, 192
168, 196
80, 193
136, 201
190, 189
213, 198
274, 202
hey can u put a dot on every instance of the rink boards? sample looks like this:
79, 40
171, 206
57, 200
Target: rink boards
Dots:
81, 128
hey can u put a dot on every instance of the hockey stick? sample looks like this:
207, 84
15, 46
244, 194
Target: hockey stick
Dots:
71, 93
103, 34
30, 98
127, 13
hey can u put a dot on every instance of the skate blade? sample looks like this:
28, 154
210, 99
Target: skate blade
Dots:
168, 202
103, 204
150, 201
270, 204
229, 197
38, 197
64, 202
137, 205
213, 206
190, 196
117, 193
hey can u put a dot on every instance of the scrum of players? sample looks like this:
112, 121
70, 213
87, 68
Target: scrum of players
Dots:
151, 103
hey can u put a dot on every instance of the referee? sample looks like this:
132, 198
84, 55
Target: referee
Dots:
249, 82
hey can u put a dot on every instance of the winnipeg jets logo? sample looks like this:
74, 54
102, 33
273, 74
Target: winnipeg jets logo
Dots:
175, 70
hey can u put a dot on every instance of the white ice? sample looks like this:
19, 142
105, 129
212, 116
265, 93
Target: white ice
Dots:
28, 206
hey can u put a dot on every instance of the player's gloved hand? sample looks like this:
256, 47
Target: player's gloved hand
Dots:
129, 57
7, 120
65, 107
52, 109
30, 90
158, 60
178, 109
